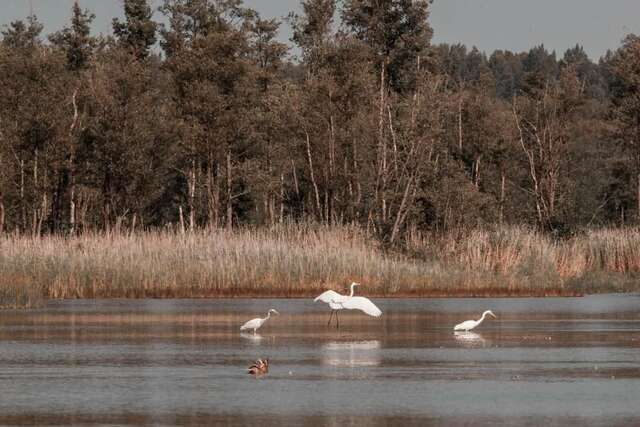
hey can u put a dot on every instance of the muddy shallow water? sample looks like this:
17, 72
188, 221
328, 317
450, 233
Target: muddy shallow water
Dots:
168, 362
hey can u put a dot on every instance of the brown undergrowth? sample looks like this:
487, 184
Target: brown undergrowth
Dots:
300, 260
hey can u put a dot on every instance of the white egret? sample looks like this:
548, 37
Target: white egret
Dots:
257, 322
470, 324
348, 302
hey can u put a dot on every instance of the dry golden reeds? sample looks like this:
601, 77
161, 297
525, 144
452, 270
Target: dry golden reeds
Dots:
302, 259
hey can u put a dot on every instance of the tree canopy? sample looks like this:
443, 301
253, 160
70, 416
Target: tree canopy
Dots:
208, 120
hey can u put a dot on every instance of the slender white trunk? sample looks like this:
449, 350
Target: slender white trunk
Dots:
192, 195
502, 195
312, 176
229, 191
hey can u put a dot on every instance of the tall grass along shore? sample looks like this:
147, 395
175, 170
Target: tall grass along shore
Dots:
301, 260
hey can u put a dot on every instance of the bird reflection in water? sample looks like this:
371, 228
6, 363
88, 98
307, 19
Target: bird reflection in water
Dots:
254, 338
469, 339
351, 354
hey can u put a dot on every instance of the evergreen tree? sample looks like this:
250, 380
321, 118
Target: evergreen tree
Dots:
508, 72
76, 39
312, 30
138, 33
397, 32
22, 35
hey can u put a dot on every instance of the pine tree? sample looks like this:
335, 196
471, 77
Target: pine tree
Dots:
397, 32
76, 39
22, 35
138, 32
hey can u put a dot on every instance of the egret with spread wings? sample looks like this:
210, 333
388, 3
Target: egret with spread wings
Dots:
348, 302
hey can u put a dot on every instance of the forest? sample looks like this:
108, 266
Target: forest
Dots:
202, 120
209, 121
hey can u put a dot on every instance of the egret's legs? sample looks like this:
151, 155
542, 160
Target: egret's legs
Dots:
337, 321
330, 316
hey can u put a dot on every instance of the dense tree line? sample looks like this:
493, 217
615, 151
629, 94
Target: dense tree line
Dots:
372, 124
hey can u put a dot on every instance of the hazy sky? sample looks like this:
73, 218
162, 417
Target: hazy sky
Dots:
488, 24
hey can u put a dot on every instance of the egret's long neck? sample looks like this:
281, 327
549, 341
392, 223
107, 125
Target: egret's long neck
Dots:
351, 293
482, 318
268, 315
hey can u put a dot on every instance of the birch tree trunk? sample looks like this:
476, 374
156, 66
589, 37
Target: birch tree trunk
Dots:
381, 181
502, 194
313, 178
229, 191
23, 205
403, 206
71, 166
460, 121
213, 194
281, 198
192, 195
181, 219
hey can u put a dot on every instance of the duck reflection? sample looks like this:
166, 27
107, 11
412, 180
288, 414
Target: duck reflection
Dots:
469, 339
351, 354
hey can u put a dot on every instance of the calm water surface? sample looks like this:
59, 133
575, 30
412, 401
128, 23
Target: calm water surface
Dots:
183, 362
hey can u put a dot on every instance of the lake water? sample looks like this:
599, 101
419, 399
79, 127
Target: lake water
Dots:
183, 362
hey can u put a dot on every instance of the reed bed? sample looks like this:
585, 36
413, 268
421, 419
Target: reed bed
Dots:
296, 260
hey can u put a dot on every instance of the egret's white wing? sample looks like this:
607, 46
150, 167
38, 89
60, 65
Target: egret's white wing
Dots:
465, 326
362, 303
252, 324
329, 296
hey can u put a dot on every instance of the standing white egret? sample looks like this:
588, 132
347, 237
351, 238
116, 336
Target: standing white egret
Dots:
257, 322
349, 302
470, 324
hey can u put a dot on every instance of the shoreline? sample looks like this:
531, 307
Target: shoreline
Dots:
398, 296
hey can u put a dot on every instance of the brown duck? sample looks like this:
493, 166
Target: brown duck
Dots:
260, 367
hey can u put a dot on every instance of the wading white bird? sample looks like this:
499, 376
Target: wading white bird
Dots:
470, 324
348, 302
257, 322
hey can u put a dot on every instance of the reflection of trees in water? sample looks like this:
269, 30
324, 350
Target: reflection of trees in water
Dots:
351, 354
469, 339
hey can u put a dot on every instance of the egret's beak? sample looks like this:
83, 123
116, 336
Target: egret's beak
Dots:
276, 311
494, 316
